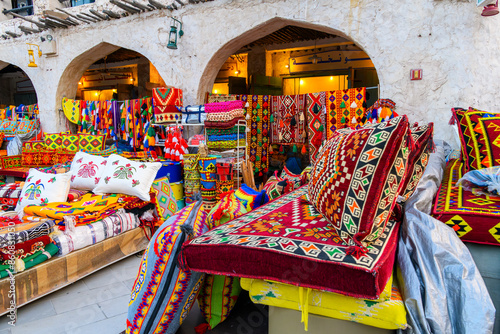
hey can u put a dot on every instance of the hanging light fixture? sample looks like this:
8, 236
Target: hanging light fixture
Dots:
172, 38
490, 10
315, 59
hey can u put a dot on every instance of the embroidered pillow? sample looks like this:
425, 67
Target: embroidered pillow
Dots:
358, 176
124, 176
70, 142
86, 171
91, 143
53, 140
418, 158
297, 179
165, 197
40, 188
477, 141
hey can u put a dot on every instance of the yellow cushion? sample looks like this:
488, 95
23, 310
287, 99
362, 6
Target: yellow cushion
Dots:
91, 143
70, 142
387, 314
53, 140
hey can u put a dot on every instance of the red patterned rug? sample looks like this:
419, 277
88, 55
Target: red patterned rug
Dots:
474, 218
288, 241
345, 108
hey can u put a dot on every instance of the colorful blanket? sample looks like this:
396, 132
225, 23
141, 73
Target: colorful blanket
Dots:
288, 123
25, 231
90, 208
258, 113
315, 108
86, 235
25, 249
289, 233
345, 108
32, 260
474, 218
11, 190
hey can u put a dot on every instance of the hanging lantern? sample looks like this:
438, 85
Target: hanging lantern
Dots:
172, 37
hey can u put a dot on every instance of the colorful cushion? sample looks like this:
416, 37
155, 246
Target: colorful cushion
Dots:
41, 188
106, 153
220, 293
419, 156
26, 126
276, 186
474, 218
53, 140
92, 143
388, 314
44, 157
289, 233
86, 171
297, 179
165, 197
123, 176
70, 142
33, 145
358, 176
250, 198
478, 137
163, 294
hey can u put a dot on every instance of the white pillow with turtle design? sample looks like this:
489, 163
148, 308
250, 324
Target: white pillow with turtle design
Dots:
86, 170
124, 176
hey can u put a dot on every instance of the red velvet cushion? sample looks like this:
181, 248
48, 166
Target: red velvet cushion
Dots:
419, 157
287, 240
358, 176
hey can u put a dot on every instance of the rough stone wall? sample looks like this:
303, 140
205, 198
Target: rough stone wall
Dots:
458, 50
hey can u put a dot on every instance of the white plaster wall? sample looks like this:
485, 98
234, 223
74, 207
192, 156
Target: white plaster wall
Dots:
458, 50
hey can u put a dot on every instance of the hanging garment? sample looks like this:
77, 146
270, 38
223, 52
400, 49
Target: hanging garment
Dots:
345, 108
315, 108
288, 126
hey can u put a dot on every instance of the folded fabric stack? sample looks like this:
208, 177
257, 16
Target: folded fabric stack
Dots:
89, 234
9, 195
221, 124
341, 229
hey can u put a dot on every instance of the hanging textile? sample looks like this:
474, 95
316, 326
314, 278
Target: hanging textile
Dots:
166, 101
315, 108
258, 112
288, 119
71, 109
345, 108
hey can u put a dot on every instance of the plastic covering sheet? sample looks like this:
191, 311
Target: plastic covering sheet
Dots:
441, 285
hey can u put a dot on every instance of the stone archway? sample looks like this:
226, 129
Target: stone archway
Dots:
259, 31
16, 75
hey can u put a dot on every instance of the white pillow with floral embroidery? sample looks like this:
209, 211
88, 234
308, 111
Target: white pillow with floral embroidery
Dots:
124, 176
86, 170
43, 188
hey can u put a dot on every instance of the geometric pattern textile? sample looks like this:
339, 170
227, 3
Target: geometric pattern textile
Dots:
289, 233
166, 101
289, 125
474, 140
165, 197
53, 140
473, 218
163, 293
25, 232
71, 109
91, 143
358, 176
258, 111
219, 293
212, 98
344, 108
316, 124
70, 142
419, 157
388, 314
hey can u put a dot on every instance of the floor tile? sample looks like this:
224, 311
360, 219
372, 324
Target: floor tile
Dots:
61, 323
102, 277
5, 331
78, 286
115, 306
80, 299
4, 323
35, 310
112, 325
129, 283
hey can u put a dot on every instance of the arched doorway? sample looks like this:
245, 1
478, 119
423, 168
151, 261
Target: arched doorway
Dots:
107, 72
277, 65
16, 88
